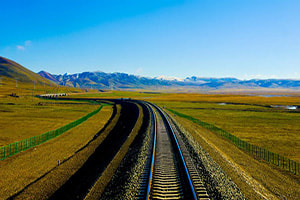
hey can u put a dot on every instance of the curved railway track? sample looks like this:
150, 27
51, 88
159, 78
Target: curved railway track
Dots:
170, 173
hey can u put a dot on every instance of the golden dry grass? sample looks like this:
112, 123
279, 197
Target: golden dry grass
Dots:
256, 179
22, 169
286, 98
274, 129
8, 86
22, 118
249, 118
226, 98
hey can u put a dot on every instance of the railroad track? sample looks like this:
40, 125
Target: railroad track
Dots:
170, 173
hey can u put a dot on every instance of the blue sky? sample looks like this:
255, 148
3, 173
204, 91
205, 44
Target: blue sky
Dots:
208, 38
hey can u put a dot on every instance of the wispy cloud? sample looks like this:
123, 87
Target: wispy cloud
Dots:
20, 47
26, 44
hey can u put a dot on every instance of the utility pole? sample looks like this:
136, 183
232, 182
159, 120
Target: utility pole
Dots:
33, 89
1, 81
16, 82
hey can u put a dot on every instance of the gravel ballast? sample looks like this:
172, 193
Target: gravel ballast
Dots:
127, 179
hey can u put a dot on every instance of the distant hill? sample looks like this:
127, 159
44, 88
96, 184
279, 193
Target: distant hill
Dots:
102, 80
48, 76
13, 70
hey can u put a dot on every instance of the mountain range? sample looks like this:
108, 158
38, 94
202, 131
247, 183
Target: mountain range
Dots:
102, 80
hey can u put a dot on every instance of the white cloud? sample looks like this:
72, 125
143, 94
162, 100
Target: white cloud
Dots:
20, 47
26, 44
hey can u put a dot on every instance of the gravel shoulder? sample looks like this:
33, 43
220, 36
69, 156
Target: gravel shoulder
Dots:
126, 181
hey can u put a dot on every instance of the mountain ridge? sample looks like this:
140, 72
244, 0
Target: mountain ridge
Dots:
117, 80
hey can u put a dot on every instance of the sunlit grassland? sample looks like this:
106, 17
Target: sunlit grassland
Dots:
275, 129
249, 117
251, 175
219, 98
27, 90
19, 170
294, 99
22, 118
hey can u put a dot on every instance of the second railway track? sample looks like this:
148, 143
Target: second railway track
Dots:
171, 173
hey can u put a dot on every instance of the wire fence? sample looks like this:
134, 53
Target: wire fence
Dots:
22, 145
274, 158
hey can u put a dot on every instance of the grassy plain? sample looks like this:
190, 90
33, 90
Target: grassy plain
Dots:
275, 129
250, 117
22, 118
26, 167
255, 178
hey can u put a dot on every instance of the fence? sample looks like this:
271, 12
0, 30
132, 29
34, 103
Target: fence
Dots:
22, 145
259, 152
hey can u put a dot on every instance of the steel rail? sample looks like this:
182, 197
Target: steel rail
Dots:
153, 153
168, 125
181, 156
